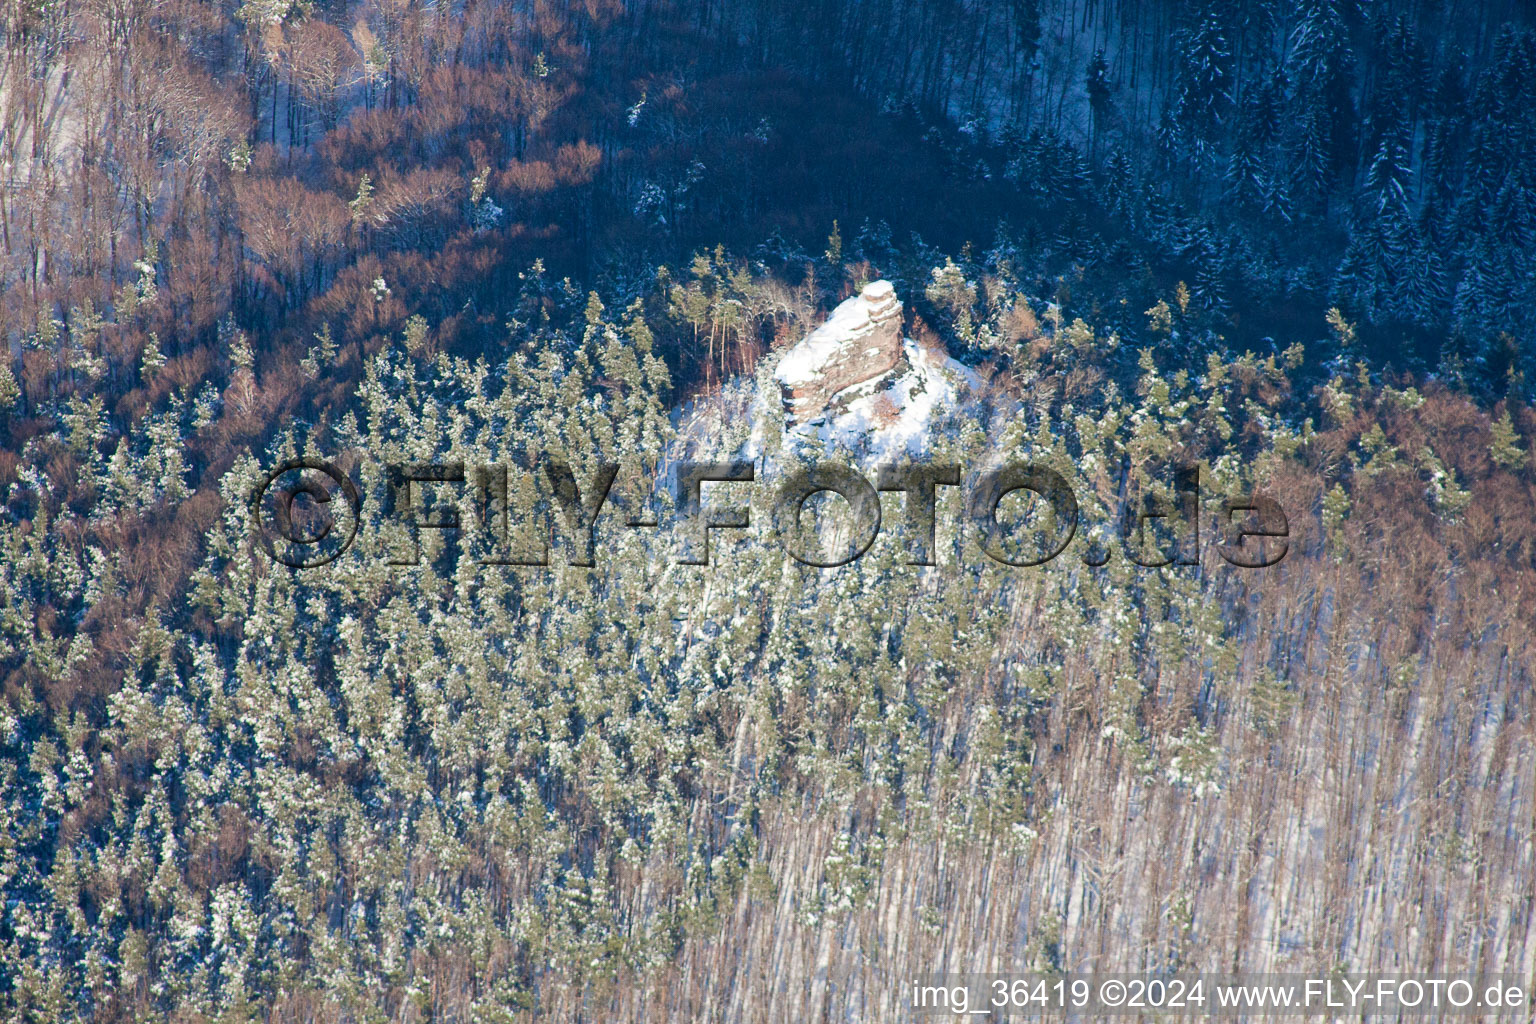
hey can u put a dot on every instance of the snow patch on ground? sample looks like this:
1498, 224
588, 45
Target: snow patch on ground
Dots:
891, 416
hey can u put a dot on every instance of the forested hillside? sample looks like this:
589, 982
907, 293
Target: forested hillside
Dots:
1287, 244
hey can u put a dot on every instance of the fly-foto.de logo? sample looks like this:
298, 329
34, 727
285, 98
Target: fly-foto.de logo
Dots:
306, 512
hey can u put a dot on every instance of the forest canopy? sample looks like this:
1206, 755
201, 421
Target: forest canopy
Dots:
1289, 245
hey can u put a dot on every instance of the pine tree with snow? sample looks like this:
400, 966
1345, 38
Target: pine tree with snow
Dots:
1203, 91
1320, 68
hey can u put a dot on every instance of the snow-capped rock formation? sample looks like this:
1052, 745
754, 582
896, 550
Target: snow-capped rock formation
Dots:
860, 343
856, 382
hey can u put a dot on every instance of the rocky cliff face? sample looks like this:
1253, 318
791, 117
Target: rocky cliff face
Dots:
856, 382
859, 343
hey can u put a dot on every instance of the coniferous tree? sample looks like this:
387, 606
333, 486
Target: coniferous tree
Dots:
1204, 88
1320, 66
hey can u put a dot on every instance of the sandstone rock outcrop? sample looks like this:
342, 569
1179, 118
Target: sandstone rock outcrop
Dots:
858, 345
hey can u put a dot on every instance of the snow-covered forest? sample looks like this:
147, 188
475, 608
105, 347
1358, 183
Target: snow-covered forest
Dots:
1288, 245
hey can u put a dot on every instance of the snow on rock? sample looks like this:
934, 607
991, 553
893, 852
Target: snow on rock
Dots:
856, 383
859, 343
902, 416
